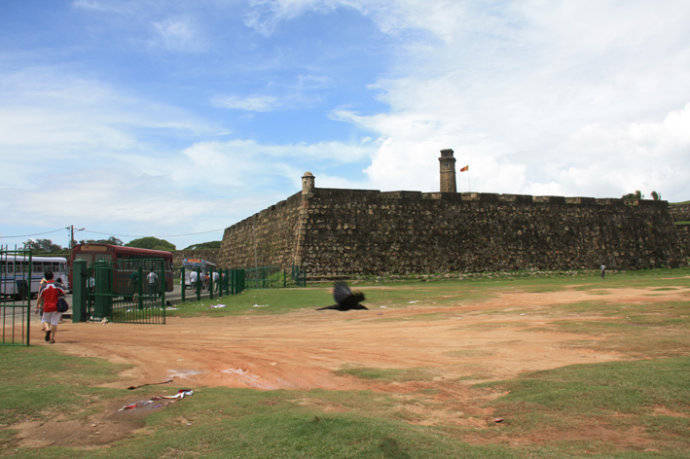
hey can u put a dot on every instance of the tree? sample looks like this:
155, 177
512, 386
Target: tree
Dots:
152, 243
656, 196
42, 246
205, 245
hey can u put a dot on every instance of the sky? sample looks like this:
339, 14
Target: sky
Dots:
177, 118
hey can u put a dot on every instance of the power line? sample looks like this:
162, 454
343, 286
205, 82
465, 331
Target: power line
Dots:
162, 236
111, 234
29, 235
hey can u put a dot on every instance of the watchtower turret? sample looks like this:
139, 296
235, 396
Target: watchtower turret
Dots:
447, 164
307, 183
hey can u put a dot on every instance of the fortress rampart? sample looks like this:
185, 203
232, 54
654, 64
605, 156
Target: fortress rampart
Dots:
681, 216
341, 232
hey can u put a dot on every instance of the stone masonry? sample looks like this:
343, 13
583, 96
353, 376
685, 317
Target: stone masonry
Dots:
340, 232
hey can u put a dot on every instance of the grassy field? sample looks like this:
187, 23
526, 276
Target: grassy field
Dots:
398, 294
636, 407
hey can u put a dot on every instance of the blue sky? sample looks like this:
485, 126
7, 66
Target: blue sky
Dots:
166, 118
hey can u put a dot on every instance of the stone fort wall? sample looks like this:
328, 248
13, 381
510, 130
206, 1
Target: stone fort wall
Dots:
681, 213
339, 232
266, 238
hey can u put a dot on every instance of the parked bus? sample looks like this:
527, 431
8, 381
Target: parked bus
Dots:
91, 253
203, 267
14, 271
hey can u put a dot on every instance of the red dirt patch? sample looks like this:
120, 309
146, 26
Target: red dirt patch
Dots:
303, 349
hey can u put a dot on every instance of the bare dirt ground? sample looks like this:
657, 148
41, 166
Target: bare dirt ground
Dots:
458, 345
302, 349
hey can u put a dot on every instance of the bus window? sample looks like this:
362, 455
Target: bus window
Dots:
55, 266
38, 267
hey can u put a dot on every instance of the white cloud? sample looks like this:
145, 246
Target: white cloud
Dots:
569, 98
538, 97
247, 103
51, 111
178, 34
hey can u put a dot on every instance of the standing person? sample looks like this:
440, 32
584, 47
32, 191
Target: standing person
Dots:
603, 271
152, 279
51, 316
193, 278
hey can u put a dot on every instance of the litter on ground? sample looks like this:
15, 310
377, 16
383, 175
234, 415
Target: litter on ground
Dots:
216, 306
151, 403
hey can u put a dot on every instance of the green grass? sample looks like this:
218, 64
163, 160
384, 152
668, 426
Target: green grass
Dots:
220, 422
244, 423
610, 396
389, 374
407, 293
56, 381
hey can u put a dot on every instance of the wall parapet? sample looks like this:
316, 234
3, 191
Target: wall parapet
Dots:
357, 194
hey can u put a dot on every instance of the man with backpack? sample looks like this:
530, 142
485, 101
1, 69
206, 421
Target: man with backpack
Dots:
49, 294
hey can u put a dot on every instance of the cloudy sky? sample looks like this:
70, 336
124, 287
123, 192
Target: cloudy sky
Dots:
177, 118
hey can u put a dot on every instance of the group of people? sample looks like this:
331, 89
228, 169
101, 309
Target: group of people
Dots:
49, 294
201, 278
151, 281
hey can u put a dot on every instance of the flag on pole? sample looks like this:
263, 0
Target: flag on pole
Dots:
466, 168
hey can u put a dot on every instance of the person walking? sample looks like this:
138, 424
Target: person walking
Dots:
603, 271
193, 278
51, 317
152, 279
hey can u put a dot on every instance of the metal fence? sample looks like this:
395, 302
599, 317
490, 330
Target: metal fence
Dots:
15, 296
127, 291
274, 277
213, 283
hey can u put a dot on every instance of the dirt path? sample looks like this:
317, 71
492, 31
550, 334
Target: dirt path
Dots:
302, 349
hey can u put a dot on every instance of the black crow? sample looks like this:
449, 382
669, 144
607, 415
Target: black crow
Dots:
345, 298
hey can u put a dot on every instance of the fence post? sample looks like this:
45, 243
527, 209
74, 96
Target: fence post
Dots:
199, 281
28, 304
140, 287
183, 284
210, 284
162, 282
79, 291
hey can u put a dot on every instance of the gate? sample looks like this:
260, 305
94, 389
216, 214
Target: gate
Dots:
127, 291
15, 296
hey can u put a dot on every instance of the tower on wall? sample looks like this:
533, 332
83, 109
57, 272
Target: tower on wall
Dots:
447, 163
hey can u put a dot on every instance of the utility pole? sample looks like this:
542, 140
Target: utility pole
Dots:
71, 235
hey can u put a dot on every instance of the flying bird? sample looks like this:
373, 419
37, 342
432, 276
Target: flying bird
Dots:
345, 298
